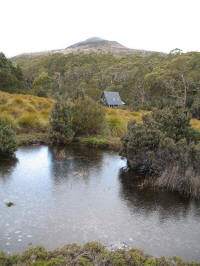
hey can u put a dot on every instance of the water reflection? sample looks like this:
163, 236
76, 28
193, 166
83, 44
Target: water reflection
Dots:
81, 163
168, 205
6, 168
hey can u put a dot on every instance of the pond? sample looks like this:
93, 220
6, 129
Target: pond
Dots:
89, 198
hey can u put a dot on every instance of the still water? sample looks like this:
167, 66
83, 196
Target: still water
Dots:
88, 198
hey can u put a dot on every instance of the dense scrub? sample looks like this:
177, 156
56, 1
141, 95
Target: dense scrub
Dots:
91, 253
166, 147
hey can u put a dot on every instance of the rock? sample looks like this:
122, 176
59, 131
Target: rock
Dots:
9, 204
117, 245
33, 258
61, 155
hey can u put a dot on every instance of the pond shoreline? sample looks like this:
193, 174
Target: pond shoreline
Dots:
99, 142
92, 253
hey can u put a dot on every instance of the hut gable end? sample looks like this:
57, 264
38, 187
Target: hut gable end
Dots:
111, 99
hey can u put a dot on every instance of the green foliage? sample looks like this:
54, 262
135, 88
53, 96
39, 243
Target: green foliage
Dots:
61, 124
166, 146
42, 84
8, 142
11, 77
88, 117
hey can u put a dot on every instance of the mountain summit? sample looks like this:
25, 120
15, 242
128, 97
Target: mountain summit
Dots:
86, 42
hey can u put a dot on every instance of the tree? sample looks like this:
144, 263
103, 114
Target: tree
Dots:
195, 108
8, 142
61, 131
42, 85
11, 77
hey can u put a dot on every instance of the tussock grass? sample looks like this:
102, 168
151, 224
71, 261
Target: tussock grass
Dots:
195, 123
116, 126
30, 108
117, 120
25, 113
17, 100
14, 112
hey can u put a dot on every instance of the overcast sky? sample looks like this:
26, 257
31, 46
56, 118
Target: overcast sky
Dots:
159, 25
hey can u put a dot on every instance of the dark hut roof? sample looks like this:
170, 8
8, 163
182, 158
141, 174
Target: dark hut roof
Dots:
112, 98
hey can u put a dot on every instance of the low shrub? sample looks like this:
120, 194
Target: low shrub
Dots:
8, 141
88, 117
9, 121
61, 131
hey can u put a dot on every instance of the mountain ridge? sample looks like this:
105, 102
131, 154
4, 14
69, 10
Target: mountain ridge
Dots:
94, 44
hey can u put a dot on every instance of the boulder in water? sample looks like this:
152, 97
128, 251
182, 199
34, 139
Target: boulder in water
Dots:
9, 203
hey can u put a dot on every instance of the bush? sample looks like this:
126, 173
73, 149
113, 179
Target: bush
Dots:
8, 142
88, 117
165, 146
61, 124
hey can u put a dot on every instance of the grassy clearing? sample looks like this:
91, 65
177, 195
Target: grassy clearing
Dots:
91, 253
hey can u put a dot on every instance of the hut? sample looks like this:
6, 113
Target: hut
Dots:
112, 99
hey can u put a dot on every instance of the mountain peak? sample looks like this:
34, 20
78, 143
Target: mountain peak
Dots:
95, 39
87, 41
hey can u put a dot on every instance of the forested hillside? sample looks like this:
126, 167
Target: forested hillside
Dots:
143, 81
